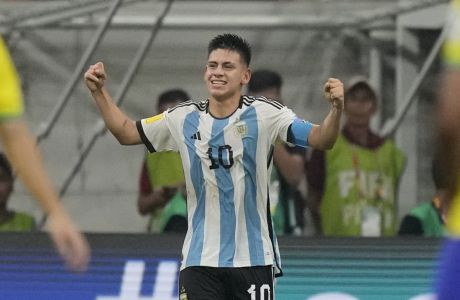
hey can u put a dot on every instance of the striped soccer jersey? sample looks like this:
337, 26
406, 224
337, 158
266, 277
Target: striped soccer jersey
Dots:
226, 165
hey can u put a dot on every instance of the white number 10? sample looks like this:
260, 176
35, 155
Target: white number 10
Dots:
264, 288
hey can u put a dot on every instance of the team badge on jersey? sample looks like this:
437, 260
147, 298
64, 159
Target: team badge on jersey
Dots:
241, 129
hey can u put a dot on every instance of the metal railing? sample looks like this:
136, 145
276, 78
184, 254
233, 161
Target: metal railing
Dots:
99, 128
392, 124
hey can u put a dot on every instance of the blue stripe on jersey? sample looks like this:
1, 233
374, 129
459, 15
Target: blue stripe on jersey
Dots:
299, 132
220, 154
256, 250
191, 123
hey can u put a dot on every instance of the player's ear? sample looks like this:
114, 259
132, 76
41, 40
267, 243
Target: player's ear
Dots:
246, 76
204, 72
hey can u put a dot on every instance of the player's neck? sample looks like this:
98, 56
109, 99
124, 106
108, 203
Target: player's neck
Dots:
224, 107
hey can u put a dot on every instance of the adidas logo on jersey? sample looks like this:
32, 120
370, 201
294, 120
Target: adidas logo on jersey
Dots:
196, 136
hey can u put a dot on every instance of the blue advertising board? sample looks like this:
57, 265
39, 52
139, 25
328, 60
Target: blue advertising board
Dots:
145, 267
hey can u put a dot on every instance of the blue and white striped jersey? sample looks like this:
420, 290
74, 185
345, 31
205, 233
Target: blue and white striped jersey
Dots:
226, 164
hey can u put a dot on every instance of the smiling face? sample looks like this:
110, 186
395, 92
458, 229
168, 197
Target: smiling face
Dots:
225, 74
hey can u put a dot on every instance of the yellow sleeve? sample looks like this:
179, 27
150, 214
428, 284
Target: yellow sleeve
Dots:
453, 217
11, 105
451, 50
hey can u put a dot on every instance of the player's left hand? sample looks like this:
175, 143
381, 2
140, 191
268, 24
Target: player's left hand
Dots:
334, 92
69, 242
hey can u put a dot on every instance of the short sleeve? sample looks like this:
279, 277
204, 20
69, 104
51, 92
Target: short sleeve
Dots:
155, 133
288, 127
298, 132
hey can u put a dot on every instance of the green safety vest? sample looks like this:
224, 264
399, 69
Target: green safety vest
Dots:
429, 218
360, 189
276, 208
165, 169
20, 222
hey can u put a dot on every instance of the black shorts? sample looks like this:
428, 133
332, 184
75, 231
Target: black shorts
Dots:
208, 283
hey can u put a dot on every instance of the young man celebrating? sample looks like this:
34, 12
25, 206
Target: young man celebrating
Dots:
225, 142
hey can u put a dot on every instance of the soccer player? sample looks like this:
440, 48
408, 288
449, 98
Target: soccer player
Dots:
24, 154
225, 143
448, 280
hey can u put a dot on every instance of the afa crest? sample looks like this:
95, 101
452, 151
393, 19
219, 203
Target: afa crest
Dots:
241, 129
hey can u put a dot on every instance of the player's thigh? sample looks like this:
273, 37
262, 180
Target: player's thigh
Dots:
252, 283
201, 283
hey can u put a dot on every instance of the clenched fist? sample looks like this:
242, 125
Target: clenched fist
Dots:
95, 77
334, 92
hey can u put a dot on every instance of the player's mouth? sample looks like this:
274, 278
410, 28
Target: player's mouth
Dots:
218, 82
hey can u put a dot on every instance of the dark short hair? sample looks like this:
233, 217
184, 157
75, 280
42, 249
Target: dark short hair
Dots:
262, 80
5, 167
361, 90
173, 95
231, 42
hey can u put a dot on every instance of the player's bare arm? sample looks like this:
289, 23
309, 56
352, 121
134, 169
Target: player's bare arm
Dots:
324, 136
121, 126
22, 151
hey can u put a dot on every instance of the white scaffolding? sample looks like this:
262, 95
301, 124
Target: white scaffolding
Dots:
322, 29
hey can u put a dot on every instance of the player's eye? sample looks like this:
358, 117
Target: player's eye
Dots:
228, 67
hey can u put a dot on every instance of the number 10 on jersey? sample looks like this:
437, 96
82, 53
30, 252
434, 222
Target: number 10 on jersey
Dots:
221, 157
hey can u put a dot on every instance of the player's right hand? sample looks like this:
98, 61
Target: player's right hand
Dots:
334, 92
95, 77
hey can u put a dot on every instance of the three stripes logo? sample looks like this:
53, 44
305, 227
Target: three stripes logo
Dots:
196, 136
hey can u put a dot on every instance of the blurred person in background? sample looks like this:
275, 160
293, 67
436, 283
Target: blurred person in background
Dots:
353, 186
22, 151
11, 220
427, 218
162, 183
448, 276
286, 201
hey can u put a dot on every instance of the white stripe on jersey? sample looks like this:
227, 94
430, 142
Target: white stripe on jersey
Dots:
225, 166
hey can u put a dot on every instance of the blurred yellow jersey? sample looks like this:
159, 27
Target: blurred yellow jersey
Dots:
10, 90
451, 51
451, 56
453, 218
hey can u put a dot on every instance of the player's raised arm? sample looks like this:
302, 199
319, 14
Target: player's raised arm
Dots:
324, 136
121, 126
